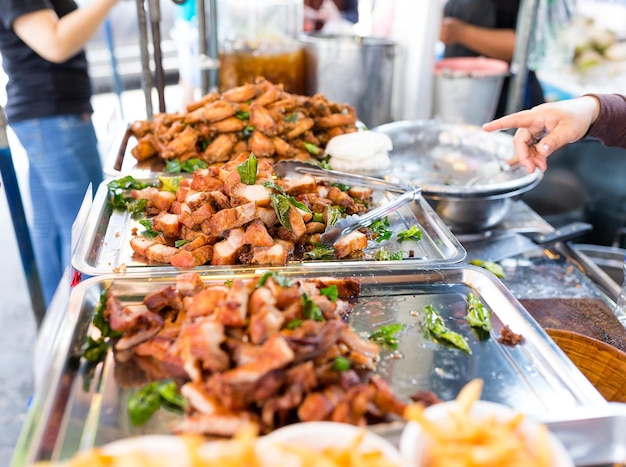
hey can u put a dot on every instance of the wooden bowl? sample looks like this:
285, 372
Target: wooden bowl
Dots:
602, 364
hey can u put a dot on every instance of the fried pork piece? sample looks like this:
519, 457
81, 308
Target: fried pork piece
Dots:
259, 117
251, 351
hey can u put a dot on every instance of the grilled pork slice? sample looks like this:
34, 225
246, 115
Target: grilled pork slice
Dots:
190, 258
199, 348
217, 424
167, 224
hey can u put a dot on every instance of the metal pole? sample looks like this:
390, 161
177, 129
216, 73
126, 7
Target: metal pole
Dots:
526, 19
18, 216
155, 24
202, 45
146, 75
213, 54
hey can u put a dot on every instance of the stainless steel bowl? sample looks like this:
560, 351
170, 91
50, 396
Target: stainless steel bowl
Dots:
446, 159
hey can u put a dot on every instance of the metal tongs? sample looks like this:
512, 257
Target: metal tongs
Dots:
288, 169
351, 223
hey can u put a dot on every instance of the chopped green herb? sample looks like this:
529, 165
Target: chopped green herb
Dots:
146, 401
291, 118
386, 335
294, 323
332, 215
173, 166
381, 228
331, 292
383, 254
490, 266
325, 163
320, 252
278, 278
136, 206
341, 364
478, 315
241, 115
248, 170
414, 233
179, 243
311, 310
247, 131
318, 217
193, 164
148, 233
437, 327
205, 144
312, 149
95, 349
118, 190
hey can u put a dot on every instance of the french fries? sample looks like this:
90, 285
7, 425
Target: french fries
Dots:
241, 450
464, 440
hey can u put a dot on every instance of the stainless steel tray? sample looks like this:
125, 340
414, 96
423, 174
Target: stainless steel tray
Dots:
70, 411
104, 246
120, 161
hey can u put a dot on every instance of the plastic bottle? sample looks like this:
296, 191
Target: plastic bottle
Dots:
620, 308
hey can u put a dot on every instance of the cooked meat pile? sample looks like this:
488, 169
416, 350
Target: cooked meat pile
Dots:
259, 117
263, 350
226, 222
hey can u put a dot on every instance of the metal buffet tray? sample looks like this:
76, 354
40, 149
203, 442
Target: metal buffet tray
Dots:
75, 410
104, 247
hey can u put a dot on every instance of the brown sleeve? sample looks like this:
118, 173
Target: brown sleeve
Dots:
610, 127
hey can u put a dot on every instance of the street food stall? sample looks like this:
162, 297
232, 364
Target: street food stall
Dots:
229, 276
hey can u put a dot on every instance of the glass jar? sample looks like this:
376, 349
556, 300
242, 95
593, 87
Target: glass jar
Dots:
260, 38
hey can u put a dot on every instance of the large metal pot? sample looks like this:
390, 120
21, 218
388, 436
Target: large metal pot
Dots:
446, 160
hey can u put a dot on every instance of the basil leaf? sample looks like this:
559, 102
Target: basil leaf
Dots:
173, 166
170, 184
437, 327
276, 187
414, 233
241, 115
331, 292
143, 404
193, 164
381, 228
383, 254
478, 316
311, 310
490, 266
278, 278
148, 233
385, 335
320, 252
332, 215
248, 169
281, 206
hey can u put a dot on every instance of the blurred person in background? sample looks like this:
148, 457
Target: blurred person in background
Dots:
548, 127
330, 16
49, 109
472, 28
186, 35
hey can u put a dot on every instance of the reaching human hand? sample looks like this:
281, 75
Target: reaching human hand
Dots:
547, 127
451, 30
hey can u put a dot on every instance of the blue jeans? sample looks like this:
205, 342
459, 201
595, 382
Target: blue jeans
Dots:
63, 159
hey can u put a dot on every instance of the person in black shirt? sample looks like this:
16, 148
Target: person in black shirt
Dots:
49, 109
486, 28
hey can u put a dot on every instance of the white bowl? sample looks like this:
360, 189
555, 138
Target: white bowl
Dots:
321, 435
414, 440
158, 447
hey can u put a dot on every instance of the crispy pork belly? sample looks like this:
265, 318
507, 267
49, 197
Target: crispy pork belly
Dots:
318, 406
205, 301
165, 297
298, 226
137, 322
354, 242
361, 193
299, 186
205, 180
276, 354
267, 216
241, 193
347, 287
364, 352
217, 424
199, 398
257, 235
189, 283
275, 255
227, 251
160, 253
191, 258
341, 198
233, 309
228, 219
265, 322
167, 224
199, 347
141, 244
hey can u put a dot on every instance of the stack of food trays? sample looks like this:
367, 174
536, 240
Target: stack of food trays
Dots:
392, 321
